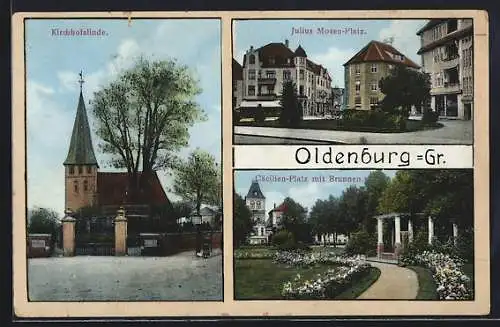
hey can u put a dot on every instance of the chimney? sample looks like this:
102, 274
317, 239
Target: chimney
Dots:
286, 43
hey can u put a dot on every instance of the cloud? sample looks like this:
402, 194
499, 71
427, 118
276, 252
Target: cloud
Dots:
307, 194
46, 126
333, 59
405, 38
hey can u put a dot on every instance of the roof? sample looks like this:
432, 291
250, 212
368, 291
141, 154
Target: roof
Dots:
455, 35
430, 24
283, 56
81, 151
112, 189
237, 71
300, 52
376, 51
254, 192
206, 211
280, 208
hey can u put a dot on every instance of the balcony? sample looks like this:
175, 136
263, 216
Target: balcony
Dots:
267, 96
266, 80
449, 63
448, 88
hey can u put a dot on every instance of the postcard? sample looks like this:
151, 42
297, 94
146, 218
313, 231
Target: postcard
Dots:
271, 163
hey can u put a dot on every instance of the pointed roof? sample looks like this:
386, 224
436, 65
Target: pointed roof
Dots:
300, 52
81, 151
376, 51
254, 192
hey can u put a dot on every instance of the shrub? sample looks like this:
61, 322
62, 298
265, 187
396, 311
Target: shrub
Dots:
283, 237
429, 116
361, 243
259, 115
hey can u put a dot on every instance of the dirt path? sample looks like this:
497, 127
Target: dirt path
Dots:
394, 283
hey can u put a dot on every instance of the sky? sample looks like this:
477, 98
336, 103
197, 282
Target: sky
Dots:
331, 51
52, 66
300, 185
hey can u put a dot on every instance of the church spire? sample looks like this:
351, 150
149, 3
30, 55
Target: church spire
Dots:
81, 151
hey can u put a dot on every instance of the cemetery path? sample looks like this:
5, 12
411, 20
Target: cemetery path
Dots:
394, 283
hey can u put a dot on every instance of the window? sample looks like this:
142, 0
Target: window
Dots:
357, 69
358, 87
374, 86
251, 89
258, 204
71, 170
272, 61
301, 90
301, 74
374, 68
251, 74
357, 100
270, 74
89, 169
75, 186
373, 100
270, 89
80, 170
252, 204
251, 59
286, 75
85, 186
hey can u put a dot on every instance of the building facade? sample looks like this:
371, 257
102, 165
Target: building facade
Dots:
447, 55
237, 72
265, 69
365, 69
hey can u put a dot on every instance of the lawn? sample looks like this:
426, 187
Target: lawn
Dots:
426, 284
331, 124
262, 279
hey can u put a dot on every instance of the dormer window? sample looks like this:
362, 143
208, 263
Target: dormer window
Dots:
251, 59
272, 60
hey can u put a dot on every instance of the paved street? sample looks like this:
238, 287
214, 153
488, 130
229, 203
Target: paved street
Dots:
453, 132
181, 277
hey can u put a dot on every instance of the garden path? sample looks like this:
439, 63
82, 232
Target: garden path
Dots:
394, 283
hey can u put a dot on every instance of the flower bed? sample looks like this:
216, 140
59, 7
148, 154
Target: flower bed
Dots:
326, 285
451, 282
253, 254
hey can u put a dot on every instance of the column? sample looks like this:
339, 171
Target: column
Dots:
120, 233
380, 234
433, 102
431, 230
410, 231
445, 105
455, 233
397, 235
68, 223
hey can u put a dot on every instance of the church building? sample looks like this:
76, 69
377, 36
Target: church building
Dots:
86, 186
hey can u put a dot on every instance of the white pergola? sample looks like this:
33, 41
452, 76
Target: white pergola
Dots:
397, 231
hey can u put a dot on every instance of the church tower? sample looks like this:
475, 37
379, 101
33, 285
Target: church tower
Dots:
256, 202
80, 166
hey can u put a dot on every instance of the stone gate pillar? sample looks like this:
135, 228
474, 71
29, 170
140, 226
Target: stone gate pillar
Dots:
410, 231
68, 227
120, 232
